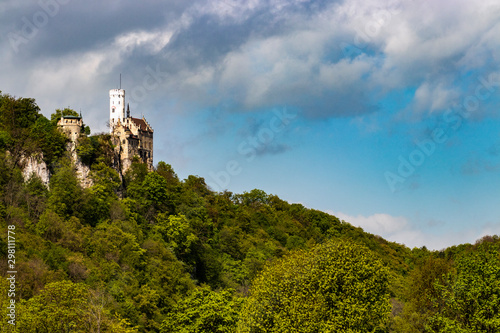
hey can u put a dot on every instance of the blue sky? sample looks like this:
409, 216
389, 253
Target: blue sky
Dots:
383, 113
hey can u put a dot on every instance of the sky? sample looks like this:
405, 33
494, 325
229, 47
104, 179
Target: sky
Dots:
384, 113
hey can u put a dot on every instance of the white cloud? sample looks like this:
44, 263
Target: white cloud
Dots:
431, 97
399, 229
404, 44
227, 9
153, 41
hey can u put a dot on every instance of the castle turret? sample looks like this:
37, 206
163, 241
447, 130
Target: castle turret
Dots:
116, 107
71, 126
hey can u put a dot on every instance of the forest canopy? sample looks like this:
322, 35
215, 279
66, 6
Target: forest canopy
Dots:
146, 251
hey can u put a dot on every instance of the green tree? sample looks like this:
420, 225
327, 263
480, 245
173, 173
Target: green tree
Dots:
6, 140
421, 290
60, 307
112, 244
102, 194
166, 171
155, 190
334, 287
173, 185
151, 194
17, 114
49, 139
204, 311
95, 149
35, 196
165, 273
54, 118
197, 184
65, 197
65, 306
17, 119
469, 299
176, 232
86, 149
137, 172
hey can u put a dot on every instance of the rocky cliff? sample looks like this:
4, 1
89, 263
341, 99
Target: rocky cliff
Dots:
35, 165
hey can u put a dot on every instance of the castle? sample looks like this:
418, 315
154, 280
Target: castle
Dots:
131, 137
71, 126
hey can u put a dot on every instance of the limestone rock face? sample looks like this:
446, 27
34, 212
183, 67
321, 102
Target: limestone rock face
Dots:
34, 165
82, 171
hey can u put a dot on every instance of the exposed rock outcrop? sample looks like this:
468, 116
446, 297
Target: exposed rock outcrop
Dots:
35, 165
82, 170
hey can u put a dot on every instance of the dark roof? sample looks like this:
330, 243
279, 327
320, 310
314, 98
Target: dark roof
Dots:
143, 126
71, 117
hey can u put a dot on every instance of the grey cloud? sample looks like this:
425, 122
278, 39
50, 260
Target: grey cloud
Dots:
83, 26
259, 54
272, 149
477, 164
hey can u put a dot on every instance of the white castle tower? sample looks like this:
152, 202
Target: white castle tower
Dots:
116, 107
132, 137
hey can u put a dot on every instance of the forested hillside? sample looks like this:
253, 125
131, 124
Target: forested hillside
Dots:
149, 252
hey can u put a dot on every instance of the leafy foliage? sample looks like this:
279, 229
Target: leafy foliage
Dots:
69, 307
333, 287
204, 311
469, 297
24, 131
95, 149
58, 114
59, 307
149, 252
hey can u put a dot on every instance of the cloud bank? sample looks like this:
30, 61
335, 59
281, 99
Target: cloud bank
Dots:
328, 58
399, 229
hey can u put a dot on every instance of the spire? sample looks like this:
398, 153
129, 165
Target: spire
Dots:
128, 110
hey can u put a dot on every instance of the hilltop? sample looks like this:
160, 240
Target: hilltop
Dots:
145, 251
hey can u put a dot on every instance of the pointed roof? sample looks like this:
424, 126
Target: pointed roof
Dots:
142, 124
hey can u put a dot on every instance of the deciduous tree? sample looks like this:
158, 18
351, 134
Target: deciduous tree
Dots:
335, 287
204, 311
